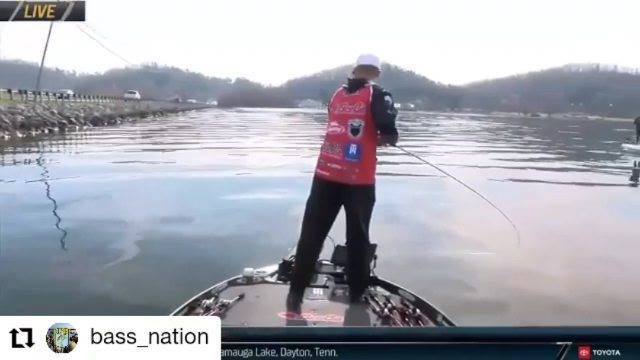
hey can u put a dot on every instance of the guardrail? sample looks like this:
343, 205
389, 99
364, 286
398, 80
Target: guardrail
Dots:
32, 95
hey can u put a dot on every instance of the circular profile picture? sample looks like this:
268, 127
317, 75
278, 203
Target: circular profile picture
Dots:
62, 338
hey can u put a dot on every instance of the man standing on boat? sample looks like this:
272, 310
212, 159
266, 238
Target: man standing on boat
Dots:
361, 117
637, 123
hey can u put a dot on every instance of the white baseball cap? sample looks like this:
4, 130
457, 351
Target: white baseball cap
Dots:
370, 60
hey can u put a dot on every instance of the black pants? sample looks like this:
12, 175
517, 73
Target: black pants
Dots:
637, 135
323, 205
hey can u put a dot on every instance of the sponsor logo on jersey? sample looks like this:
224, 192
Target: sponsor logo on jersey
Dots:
335, 128
353, 152
356, 128
357, 108
332, 149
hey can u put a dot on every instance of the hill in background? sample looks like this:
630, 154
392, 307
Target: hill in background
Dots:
406, 86
588, 88
153, 81
23, 75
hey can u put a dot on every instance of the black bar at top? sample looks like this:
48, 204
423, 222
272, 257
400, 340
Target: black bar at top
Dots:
42, 11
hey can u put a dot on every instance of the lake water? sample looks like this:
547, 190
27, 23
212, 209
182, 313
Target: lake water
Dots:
136, 219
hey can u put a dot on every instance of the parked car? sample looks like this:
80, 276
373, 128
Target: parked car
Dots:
65, 93
132, 95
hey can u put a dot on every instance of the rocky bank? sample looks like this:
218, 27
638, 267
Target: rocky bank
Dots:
22, 119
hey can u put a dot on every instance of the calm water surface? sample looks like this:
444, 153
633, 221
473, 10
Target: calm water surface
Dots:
135, 219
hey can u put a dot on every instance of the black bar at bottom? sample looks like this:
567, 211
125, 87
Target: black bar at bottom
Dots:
628, 334
405, 351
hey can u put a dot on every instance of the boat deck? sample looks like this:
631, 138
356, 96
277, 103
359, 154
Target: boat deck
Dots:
258, 299
264, 305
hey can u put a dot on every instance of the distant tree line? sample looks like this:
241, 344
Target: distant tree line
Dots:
589, 89
579, 89
153, 81
568, 89
245, 93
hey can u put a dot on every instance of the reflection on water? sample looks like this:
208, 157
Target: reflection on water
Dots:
572, 183
45, 180
152, 212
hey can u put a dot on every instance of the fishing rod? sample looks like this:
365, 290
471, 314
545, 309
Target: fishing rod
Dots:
219, 307
426, 162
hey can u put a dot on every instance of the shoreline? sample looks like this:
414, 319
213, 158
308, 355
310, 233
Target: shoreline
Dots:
22, 119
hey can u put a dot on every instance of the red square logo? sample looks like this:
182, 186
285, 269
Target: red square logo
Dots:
584, 352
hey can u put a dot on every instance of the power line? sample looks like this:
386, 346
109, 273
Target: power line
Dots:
104, 46
93, 30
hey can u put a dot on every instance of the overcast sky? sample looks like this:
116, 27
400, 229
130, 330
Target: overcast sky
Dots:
451, 41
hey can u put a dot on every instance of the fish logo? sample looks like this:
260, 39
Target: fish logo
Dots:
356, 128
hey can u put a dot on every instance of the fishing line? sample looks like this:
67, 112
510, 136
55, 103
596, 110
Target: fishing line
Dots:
426, 162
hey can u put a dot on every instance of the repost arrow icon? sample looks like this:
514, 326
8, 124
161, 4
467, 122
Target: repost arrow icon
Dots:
14, 339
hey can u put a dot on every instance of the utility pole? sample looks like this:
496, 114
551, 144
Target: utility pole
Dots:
44, 55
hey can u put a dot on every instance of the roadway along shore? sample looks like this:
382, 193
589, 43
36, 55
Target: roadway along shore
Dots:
20, 119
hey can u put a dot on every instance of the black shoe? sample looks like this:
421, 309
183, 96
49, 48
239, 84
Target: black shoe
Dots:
294, 302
